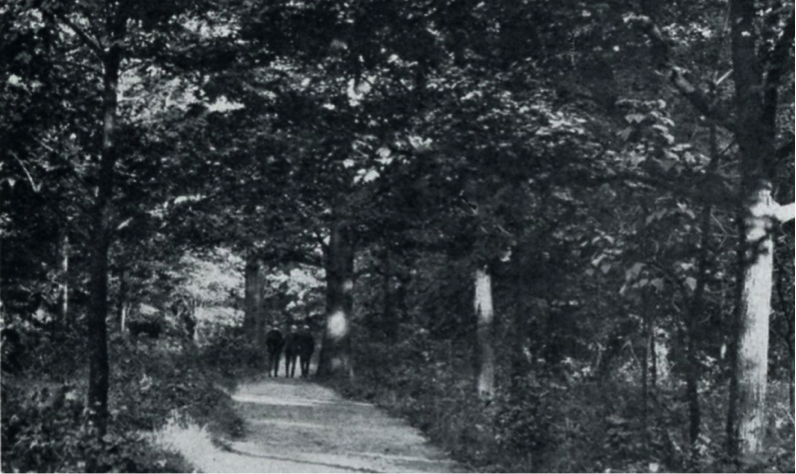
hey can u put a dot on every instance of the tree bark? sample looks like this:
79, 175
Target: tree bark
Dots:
486, 352
389, 314
63, 289
755, 131
693, 370
253, 323
755, 309
335, 357
99, 376
645, 363
121, 312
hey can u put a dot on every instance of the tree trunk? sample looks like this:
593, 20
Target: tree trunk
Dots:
653, 349
98, 382
251, 290
645, 363
121, 310
63, 286
520, 365
756, 100
755, 309
486, 351
253, 319
693, 372
389, 315
335, 357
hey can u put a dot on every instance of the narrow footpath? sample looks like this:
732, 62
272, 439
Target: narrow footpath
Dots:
294, 425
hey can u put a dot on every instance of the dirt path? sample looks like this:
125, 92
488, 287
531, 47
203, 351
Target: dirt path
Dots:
294, 425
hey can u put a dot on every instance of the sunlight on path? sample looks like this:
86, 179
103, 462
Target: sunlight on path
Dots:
298, 426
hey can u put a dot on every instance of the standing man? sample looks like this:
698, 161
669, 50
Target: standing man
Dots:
306, 348
292, 349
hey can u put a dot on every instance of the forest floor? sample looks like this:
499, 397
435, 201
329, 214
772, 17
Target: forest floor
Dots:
295, 425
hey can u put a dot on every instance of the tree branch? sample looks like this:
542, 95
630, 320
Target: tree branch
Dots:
781, 54
25, 169
676, 75
90, 42
783, 213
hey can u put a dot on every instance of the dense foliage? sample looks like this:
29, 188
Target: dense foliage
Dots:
549, 233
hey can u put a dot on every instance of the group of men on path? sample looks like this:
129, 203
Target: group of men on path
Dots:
297, 345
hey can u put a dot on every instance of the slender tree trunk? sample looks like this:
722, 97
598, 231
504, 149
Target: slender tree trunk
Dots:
63, 289
654, 358
519, 361
389, 315
335, 357
254, 316
402, 305
121, 303
251, 296
693, 372
791, 374
646, 353
99, 376
486, 352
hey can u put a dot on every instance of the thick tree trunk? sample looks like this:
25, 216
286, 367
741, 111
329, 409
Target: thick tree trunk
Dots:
755, 309
756, 101
335, 357
486, 352
98, 382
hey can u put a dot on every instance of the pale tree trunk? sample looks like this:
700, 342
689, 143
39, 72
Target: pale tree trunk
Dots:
756, 101
63, 289
335, 357
751, 360
121, 304
758, 70
486, 352
755, 309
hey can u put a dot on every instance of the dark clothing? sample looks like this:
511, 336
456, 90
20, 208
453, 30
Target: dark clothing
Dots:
274, 342
291, 354
306, 348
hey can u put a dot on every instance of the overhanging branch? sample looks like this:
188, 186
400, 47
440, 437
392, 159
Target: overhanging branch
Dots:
697, 97
90, 42
781, 54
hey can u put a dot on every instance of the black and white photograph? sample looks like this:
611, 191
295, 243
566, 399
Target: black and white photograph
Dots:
397, 236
